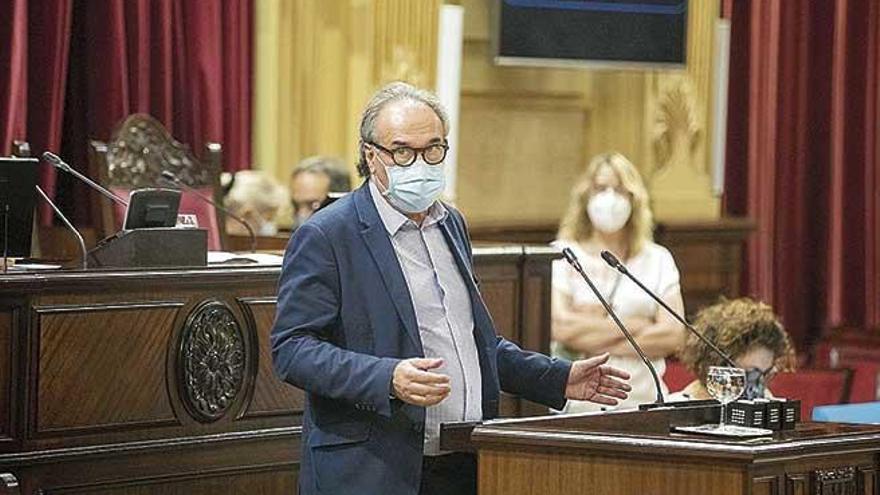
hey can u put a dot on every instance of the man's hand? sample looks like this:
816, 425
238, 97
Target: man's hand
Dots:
413, 384
593, 380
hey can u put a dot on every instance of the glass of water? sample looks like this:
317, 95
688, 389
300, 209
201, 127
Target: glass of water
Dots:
725, 385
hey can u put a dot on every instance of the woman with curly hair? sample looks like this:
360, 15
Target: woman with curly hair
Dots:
609, 210
750, 333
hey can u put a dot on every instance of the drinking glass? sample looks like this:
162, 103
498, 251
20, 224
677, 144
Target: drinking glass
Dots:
725, 385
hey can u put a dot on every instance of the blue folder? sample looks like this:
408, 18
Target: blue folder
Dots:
865, 413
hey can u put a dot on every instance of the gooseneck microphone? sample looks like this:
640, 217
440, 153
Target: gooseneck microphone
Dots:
60, 164
79, 237
573, 261
616, 264
168, 175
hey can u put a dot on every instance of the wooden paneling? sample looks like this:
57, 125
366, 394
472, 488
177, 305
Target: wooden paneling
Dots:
636, 452
709, 257
797, 484
708, 254
500, 286
868, 481
271, 395
103, 366
522, 473
542, 137
767, 485
6, 363
246, 483
269, 458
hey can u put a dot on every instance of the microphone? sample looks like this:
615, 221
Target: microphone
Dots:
79, 237
169, 176
573, 261
58, 163
616, 264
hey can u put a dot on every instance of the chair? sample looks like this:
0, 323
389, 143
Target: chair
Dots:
137, 153
866, 381
865, 413
859, 350
677, 375
814, 387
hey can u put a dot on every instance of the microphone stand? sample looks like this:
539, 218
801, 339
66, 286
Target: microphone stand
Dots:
573, 261
616, 264
57, 162
79, 237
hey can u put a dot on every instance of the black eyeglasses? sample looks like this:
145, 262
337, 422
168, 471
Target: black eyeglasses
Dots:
405, 156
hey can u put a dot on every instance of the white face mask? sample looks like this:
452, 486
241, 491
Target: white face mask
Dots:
609, 211
414, 189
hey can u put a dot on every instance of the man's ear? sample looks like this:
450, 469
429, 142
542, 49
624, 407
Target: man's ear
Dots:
369, 153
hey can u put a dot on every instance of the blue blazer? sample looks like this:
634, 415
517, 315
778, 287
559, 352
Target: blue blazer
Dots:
344, 320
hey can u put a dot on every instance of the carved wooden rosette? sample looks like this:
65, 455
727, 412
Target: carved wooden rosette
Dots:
835, 481
212, 361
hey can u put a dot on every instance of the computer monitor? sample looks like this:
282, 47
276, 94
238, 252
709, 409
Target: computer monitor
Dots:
18, 176
152, 208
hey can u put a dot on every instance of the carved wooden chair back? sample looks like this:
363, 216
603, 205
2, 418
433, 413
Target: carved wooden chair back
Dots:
135, 156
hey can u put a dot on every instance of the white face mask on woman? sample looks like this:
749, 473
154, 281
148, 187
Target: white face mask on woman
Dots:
609, 210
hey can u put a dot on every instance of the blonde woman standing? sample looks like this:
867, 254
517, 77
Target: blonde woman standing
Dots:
609, 210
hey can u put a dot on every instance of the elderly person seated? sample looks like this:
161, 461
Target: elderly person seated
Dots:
750, 333
255, 197
311, 181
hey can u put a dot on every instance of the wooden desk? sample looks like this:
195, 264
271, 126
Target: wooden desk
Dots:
161, 381
634, 452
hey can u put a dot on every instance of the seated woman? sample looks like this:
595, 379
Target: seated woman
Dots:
750, 333
609, 210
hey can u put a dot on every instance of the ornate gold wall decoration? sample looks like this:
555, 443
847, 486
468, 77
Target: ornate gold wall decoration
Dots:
677, 133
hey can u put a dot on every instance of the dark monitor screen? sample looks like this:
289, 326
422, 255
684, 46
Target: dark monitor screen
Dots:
18, 176
152, 208
613, 33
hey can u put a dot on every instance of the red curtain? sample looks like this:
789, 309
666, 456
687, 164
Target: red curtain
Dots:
803, 158
34, 54
186, 62
13, 75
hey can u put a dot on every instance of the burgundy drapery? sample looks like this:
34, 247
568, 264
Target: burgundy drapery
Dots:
187, 62
33, 67
803, 158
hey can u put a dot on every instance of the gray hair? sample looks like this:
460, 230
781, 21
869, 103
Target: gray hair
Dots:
255, 189
396, 91
334, 168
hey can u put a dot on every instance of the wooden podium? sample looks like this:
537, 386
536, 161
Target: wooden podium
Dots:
632, 452
142, 381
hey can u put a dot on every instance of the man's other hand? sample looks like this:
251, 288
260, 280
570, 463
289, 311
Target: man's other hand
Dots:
593, 380
414, 384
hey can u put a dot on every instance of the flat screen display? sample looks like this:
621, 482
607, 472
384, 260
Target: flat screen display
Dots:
18, 176
613, 33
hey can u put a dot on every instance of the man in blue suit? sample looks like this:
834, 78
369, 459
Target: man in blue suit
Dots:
381, 322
